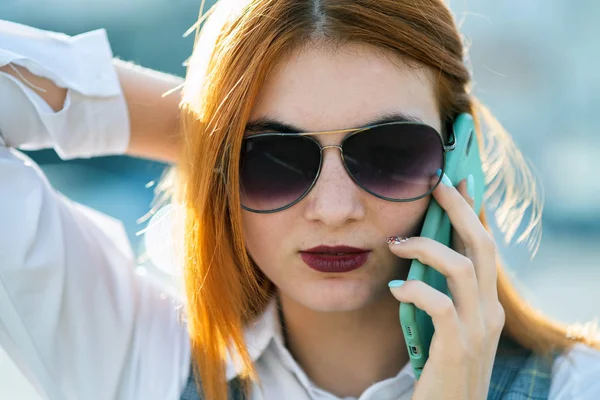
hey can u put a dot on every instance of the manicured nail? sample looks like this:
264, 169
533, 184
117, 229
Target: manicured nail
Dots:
445, 180
396, 239
471, 186
396, 283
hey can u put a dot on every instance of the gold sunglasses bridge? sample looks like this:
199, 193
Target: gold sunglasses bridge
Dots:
332, 146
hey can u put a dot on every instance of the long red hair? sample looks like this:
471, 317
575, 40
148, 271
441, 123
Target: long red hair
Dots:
239, 44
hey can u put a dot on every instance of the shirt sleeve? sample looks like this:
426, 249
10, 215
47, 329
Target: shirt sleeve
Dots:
575, 375
94, 119
75, 317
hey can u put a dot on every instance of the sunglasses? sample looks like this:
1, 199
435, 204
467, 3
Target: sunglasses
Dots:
394, 161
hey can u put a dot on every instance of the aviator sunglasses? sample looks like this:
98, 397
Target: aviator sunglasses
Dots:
394, 161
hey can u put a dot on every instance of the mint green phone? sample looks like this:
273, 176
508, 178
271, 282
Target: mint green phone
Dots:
463, 160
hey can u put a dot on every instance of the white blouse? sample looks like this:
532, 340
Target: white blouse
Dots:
74, 316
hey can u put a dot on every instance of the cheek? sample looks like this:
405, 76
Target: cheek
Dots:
263, 233
404, 219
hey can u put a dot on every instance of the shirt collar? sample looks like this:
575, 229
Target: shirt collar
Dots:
266, 328
258, 334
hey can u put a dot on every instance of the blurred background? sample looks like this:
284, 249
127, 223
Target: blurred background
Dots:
535, 66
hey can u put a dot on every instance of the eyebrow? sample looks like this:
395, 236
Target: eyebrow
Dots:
269, 124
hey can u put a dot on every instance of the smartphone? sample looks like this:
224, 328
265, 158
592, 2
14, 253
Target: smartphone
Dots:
459, 163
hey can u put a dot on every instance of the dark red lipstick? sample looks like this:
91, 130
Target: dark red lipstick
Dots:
334, 258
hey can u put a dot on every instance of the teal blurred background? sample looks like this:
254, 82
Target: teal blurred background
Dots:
535, 65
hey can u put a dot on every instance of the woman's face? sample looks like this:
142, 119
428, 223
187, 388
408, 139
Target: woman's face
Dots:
318, 90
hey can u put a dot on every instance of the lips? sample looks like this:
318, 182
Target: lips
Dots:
335, 258
335, 250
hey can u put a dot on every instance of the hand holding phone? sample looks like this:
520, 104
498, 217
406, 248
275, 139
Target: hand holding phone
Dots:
460, 162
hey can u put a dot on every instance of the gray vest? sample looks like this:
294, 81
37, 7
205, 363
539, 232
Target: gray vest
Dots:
518, 374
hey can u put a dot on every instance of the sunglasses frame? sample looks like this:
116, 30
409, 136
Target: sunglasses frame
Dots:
446, 147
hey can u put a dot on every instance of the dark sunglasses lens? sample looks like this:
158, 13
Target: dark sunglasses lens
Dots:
395, 161
277, 170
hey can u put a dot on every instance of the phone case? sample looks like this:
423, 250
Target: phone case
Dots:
459, 163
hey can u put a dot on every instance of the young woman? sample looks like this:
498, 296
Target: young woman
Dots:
292, 279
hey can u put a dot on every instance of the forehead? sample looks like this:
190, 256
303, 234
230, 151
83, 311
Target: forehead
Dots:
317, 88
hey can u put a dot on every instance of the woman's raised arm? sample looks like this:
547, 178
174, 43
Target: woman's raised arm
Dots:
74, 316
153, 116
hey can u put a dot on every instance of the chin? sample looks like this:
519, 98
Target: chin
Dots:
335, 295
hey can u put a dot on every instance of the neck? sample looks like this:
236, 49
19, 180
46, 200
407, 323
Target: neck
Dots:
346, 352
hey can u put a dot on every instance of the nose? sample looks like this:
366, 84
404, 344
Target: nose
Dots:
335, 200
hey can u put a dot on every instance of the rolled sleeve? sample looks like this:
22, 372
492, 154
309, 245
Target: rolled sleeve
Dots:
93, 120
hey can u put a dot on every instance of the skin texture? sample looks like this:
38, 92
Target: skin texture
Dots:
343, 328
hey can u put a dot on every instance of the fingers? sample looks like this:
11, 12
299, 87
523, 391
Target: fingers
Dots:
458, 270
435, 303
457, 243
468, 325
478, 244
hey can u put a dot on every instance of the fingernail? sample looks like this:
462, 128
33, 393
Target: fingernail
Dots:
396, 239
396, 283
471, 186
445, 180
